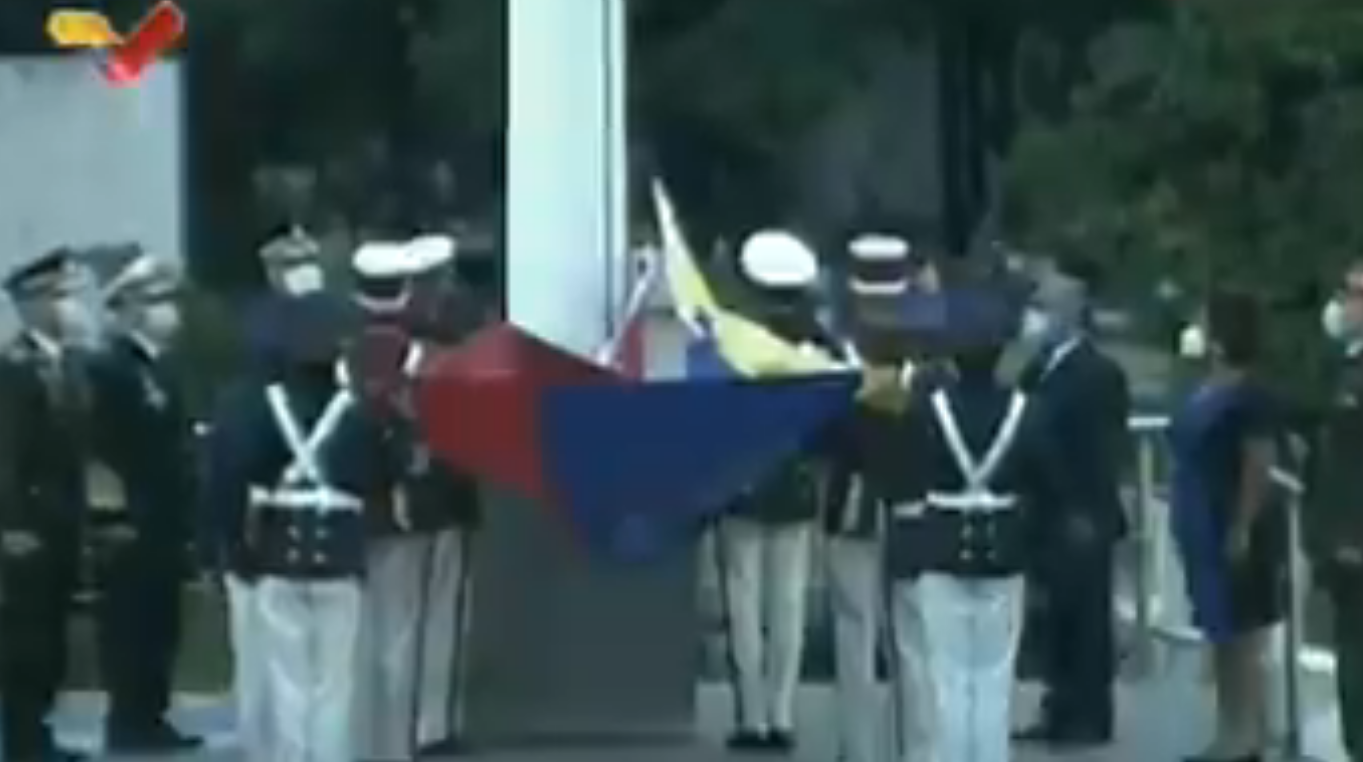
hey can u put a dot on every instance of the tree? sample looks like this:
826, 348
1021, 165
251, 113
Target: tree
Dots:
1220, 147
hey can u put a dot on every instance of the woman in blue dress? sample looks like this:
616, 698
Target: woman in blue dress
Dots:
1227, 525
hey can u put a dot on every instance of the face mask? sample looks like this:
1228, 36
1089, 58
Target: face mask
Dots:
301, 279
74, 324
1335, 322
1192, 343
1036, 325
161, 320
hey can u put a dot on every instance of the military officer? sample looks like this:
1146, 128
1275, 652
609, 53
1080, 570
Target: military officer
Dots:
763, 547
1333, 521
143, 434
294, 467
45, 396
1087, 397
976, 466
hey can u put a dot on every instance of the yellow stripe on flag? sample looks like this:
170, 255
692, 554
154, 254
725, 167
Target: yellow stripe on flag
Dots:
81, 29
749, 347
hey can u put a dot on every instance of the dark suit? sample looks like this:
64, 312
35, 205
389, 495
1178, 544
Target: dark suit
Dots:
1333, 530
1087, 400
42, 493
144, 435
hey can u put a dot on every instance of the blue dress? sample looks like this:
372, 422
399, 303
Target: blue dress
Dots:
1208, 436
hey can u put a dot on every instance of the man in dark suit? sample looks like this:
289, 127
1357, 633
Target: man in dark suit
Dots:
1333, 519
144, 436
1087, 398
44, 394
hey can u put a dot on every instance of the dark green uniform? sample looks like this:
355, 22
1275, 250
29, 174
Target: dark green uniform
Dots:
1333, 528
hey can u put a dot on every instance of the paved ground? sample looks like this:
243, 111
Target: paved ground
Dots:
1162, 719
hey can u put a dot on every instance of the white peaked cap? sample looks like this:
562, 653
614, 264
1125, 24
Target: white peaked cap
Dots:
879, 248
778, 259
428, 252
382, 260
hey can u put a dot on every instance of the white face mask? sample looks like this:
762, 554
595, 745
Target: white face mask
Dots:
302, 279
161, 321
1192, 343
1036, 325
1334, 320
74, 323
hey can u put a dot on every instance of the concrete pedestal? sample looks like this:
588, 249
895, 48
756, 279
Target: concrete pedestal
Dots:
561, 648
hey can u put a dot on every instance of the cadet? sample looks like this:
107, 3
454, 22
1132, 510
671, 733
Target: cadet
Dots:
294, 466
443, 312
977, 464
1333, 521
853, 508
44, 393
763, 547
408, 557
1088, 402
144, 435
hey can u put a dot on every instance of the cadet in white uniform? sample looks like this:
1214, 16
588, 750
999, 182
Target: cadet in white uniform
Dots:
294, 466
291, 264
441, 314
417, 587
977, 468
764, 545
854, 508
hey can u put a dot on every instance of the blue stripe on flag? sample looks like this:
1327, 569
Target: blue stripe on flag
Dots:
640, 468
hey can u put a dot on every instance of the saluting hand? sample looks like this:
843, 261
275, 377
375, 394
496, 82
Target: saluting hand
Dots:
20, 543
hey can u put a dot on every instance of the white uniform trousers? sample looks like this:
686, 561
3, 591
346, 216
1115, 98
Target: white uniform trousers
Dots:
765, 574
972, 628
308, 640
913, 709
254, 718
447, 592
388, 662
855, 589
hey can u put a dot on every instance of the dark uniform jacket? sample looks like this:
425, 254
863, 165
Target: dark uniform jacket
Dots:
854, 446
1087, 403
247, 450
1333, 516
43, 430
791, 492
381, 365
980, 543
143, 433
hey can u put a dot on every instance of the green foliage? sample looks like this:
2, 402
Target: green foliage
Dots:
1222, 147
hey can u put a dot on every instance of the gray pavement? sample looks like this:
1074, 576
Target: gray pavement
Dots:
1163, 718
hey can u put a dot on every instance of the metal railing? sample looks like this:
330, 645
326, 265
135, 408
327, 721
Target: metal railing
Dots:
1154, 554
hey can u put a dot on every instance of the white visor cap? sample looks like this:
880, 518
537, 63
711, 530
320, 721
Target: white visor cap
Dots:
879, 248
382, 260
778, 259
429, 252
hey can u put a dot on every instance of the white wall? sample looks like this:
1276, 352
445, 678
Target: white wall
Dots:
82, 162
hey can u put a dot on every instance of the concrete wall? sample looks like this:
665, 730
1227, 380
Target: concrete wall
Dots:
82, 162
